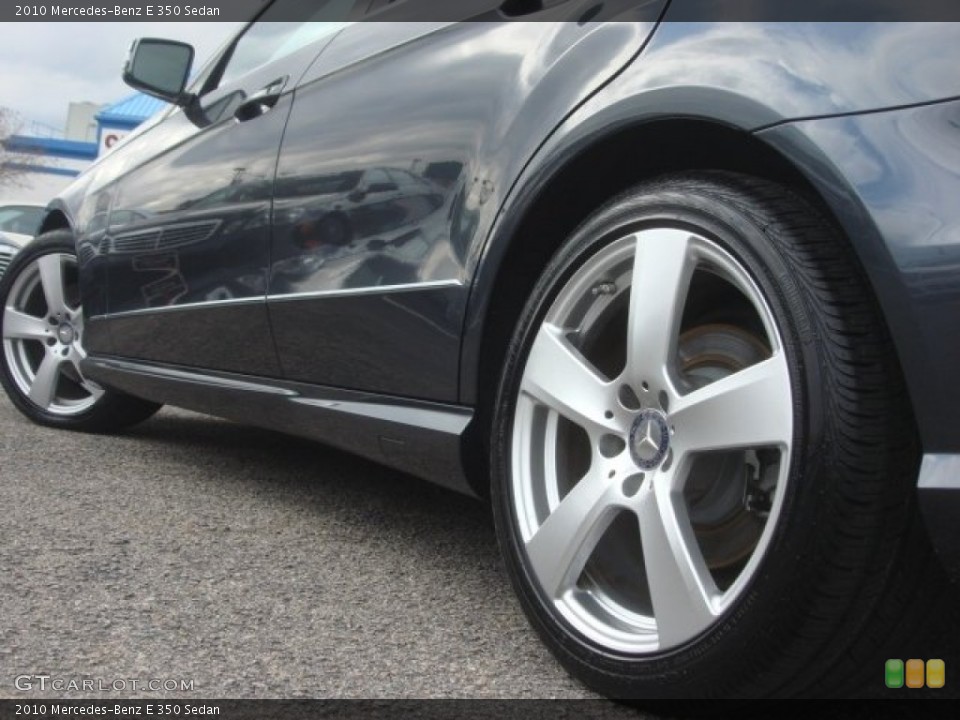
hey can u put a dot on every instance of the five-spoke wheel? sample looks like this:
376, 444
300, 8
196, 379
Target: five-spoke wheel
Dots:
647, 468
43, 336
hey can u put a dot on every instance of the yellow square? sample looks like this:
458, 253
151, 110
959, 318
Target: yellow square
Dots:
915, 673
936, 673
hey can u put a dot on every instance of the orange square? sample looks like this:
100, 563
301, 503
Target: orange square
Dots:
915, 673
936, 673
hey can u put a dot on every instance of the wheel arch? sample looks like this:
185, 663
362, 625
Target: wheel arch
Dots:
553, 201
55, 219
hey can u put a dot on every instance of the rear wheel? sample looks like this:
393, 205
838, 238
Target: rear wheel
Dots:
42, 326
704, 460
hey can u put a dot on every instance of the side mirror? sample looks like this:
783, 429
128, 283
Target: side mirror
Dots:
159, 68
382, 187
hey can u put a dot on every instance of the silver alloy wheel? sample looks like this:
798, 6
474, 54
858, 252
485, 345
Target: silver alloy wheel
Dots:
42, 337
646, 493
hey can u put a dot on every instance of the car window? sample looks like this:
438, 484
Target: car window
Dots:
399, 177
21, 219
314, 185
377, 177
269, 39
406, 179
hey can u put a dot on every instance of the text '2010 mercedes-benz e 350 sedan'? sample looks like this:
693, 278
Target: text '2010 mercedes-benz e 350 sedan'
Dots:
684, 314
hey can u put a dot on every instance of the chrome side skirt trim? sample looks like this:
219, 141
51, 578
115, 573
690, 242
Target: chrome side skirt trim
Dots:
286, 297
373, 290
940, 472
183, 375
444, 421
938, 495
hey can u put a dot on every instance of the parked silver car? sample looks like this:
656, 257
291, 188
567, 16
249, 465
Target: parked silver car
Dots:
20, 221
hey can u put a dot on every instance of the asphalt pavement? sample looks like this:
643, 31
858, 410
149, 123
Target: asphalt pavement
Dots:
233, 562
253, 565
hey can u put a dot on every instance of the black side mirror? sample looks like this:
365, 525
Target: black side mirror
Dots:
159, 68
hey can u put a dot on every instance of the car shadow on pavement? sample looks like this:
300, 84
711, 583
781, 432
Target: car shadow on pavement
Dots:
315, 475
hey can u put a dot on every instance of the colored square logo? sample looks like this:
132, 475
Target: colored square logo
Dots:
915, 673
893, 673
936, 673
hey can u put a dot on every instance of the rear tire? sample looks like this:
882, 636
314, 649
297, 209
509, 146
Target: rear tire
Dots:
706, 489
42, 328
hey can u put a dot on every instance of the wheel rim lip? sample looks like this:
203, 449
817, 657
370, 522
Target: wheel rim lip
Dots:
579, 608
19, 364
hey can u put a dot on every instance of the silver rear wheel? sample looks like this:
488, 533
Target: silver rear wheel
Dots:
651, 441
43, 334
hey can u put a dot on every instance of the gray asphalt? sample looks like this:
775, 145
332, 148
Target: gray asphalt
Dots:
253, 564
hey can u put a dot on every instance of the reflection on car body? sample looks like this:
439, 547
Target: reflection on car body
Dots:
353, 222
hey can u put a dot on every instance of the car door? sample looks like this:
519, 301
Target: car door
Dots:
188, 237
370, 276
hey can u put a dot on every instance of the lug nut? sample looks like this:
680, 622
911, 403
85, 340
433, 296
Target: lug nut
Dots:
605, 288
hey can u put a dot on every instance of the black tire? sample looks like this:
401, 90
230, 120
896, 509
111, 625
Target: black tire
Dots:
849, 575
112, 411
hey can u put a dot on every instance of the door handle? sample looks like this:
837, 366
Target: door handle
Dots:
519, 8
261, 101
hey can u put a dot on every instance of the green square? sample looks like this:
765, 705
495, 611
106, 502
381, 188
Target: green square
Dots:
893, 673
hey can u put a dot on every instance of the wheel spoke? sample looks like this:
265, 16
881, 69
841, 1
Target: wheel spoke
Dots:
45, 383
559, 377
20, 326
678, 580
662, 270
750, 408
563, 543
51, 278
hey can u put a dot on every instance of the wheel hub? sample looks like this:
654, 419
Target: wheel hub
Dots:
66, 333
649, 439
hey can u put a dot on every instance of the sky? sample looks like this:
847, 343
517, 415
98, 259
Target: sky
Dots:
45, 66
